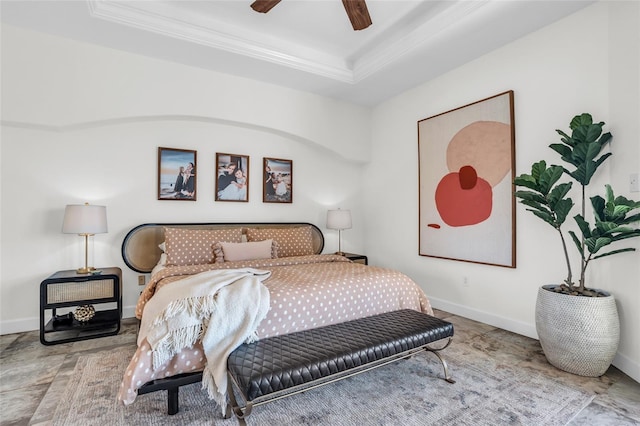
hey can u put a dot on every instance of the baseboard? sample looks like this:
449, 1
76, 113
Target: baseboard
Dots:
508, 324
19, 326
622, 362
627, 366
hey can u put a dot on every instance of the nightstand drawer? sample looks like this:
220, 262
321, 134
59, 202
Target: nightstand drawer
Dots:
77, 291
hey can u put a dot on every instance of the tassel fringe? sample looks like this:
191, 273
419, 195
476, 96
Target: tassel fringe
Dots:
199, 307
209, 384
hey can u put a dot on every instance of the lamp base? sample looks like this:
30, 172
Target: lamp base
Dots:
85, 270
340, 253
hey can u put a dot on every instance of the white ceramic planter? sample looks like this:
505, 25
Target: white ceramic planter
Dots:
579, 335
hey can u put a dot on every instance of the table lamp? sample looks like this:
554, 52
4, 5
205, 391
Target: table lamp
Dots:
85, 220
339, 219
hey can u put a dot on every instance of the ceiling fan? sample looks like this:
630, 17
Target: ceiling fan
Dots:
356, 10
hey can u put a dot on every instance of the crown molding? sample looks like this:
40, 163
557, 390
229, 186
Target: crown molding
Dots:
432, 24
148, 20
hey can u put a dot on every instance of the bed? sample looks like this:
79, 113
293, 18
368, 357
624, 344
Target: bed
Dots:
306, 289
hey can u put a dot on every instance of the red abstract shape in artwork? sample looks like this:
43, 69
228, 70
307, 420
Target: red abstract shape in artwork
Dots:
468, 177
463, 198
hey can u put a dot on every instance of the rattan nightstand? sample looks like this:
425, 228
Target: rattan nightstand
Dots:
68, 289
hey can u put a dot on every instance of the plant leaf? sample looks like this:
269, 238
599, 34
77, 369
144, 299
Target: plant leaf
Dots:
531, 196
583, 225
558, 193
549, 177
577, 242
609, 253
598, 205
562, 209
545, 216
595, 244
561, 149
583, 119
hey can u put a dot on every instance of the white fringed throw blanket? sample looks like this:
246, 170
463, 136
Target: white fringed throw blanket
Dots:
221, 308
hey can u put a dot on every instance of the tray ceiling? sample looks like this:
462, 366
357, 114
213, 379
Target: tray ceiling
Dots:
305, 45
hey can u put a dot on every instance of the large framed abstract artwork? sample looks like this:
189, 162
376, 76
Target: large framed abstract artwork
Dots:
466, 169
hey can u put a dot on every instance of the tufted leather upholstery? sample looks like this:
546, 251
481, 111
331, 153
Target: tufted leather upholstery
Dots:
281, 362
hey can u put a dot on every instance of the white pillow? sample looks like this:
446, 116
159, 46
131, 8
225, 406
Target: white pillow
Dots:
160, 265
246, 251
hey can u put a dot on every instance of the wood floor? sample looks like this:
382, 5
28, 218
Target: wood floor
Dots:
27, 369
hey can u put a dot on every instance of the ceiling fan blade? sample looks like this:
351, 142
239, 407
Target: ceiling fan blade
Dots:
263, 6
358, 13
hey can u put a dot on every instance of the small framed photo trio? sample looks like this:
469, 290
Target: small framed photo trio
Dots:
177, 177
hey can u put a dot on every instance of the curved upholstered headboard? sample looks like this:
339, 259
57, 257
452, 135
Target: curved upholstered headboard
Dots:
141, 253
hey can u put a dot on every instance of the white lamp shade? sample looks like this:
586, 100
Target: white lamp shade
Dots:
339, 219
84, 219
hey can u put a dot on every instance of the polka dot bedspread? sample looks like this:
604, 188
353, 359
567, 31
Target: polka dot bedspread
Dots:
305, 292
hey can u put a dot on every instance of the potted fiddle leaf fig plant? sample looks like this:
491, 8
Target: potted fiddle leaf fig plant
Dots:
578, 326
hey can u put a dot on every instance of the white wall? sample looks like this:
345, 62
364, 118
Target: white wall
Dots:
83, 123
587, 62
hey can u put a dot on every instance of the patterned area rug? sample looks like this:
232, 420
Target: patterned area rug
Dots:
408, 392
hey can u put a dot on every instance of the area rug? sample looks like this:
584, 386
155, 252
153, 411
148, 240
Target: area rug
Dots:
408, 392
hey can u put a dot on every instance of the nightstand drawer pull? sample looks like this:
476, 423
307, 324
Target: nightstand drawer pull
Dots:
84, 290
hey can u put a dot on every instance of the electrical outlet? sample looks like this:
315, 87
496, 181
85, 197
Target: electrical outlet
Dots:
465, 282
141, 280
634, 186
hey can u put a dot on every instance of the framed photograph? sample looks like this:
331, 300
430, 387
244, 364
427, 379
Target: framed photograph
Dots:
278, 180
176, 174
466, 171
232, 179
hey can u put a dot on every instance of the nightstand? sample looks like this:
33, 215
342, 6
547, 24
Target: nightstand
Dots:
68, 289
357, 258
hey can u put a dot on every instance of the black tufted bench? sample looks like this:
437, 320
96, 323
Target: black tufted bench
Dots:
281, 366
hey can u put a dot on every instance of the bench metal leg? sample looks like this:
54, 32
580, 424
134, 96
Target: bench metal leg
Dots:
241, 414
447, 376
435, 351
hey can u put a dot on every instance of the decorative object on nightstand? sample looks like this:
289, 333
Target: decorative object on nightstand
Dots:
339, 219
85, 220
84, 313
70, 289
